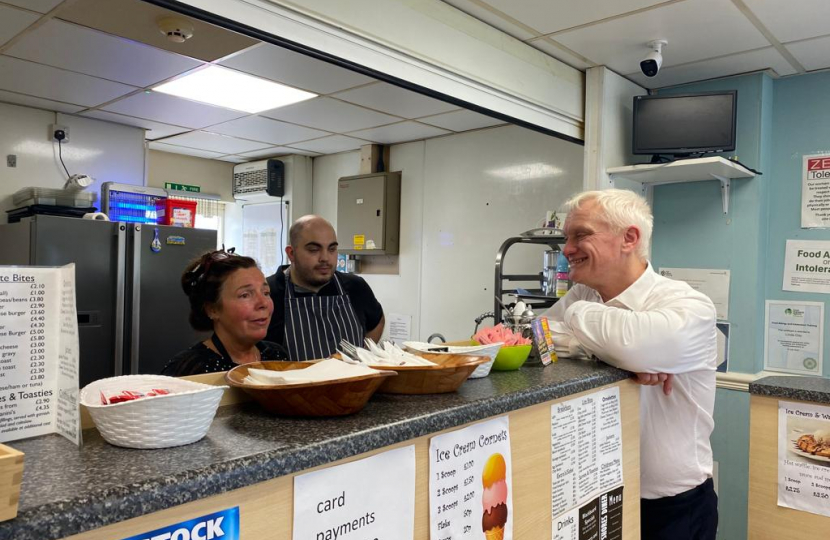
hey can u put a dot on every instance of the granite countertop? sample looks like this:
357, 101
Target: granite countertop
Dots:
815, 389
67, 490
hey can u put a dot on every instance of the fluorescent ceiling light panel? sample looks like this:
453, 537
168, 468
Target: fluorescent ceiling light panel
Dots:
233, 90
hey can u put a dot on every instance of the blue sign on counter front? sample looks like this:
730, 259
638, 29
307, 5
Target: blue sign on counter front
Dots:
222, 525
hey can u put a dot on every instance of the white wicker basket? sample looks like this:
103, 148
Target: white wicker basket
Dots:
181, 417
483, 370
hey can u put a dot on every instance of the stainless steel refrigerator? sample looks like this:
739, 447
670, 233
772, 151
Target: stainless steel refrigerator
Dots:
132, 313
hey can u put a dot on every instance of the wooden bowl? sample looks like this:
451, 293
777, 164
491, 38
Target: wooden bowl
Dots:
325, 398
449, 373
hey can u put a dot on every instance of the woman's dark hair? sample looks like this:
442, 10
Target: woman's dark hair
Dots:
203, 279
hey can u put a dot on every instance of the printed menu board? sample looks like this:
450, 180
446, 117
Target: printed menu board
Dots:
586, 449
38, 353
600, 519
804, 457
470, 483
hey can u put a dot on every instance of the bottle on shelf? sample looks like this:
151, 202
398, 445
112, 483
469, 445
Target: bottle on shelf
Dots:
562, 281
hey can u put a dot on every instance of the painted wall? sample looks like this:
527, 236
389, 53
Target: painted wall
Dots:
779, 121
462, 196
212, 176
108, 152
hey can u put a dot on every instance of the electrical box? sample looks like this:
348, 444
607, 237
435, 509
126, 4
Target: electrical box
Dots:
369, 214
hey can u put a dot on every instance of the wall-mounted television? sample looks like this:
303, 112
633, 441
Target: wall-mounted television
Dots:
685, 124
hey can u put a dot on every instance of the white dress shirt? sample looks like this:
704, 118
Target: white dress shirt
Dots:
657, 325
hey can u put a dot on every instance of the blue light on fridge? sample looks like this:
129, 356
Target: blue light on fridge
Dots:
133, 207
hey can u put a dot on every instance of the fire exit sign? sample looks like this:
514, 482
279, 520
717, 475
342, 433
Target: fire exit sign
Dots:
182, 187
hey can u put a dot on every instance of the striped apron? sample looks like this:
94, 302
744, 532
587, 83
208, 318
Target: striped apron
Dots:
314, 325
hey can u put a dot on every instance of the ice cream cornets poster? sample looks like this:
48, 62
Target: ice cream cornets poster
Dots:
470, 483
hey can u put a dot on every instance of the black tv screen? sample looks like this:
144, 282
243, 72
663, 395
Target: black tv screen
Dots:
685, 123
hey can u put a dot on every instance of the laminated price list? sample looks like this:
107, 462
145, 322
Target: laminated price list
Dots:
470, 483
586, 448
38, 353
804, 457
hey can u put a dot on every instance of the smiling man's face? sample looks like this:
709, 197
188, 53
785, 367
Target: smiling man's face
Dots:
593, 249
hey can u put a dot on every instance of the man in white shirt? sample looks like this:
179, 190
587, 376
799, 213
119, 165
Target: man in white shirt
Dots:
627, 315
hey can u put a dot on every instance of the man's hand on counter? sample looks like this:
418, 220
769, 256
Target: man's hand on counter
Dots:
652, 379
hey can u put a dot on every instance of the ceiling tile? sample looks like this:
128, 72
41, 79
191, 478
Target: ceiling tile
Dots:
264, 129
717, 67
548, 16
212, 142
547, 46
177, 111
294, 69
791, 21
38, 103
461, 120
691, 30
13, 21
137, 21
75, 48
276, 151
331, 145
393, 100
155, 130
397, 133
813, 53
56, 84
331, 115
162, 147
41, 6
495, 20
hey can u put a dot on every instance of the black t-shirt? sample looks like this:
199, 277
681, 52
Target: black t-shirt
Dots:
199, 359
368, 310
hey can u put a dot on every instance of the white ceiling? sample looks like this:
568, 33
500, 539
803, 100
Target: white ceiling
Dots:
101, 58
706, 38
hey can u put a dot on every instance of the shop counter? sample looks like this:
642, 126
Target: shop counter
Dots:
249, 459
783, 408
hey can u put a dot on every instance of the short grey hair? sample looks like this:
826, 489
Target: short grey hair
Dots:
620, 209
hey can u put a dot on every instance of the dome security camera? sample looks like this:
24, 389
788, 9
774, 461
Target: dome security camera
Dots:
650, 65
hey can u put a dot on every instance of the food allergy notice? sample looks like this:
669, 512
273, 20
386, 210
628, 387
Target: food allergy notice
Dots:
38, 353
586, 449
470, 483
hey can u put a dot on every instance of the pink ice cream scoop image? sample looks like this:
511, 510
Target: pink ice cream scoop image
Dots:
494, 497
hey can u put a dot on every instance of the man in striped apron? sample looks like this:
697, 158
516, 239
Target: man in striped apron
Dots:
314, 306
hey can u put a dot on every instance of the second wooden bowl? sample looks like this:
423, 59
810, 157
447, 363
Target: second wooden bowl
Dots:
326, 398
449, 373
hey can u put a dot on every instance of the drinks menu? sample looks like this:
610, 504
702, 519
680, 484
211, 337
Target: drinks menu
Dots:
586, 455
38, 353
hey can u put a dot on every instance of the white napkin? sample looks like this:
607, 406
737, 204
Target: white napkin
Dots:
326, 370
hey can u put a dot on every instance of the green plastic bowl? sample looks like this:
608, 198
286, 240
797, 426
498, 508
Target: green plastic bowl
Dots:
510, 358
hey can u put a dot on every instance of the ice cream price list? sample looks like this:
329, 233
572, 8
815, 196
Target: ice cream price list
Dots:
368, 499
804, 457
38, 353
470, 483
586, 464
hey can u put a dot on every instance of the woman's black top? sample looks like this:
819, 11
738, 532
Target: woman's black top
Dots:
200, 359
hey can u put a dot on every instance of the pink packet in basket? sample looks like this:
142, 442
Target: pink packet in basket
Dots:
111, 397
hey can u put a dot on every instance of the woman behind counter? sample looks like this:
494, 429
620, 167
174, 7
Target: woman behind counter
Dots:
229, 295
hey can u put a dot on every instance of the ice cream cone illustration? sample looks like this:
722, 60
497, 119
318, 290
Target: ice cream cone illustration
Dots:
494, 498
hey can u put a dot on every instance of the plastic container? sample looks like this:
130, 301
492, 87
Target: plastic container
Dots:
181, 417
31, 196
562, 281
176, 212
511, 357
